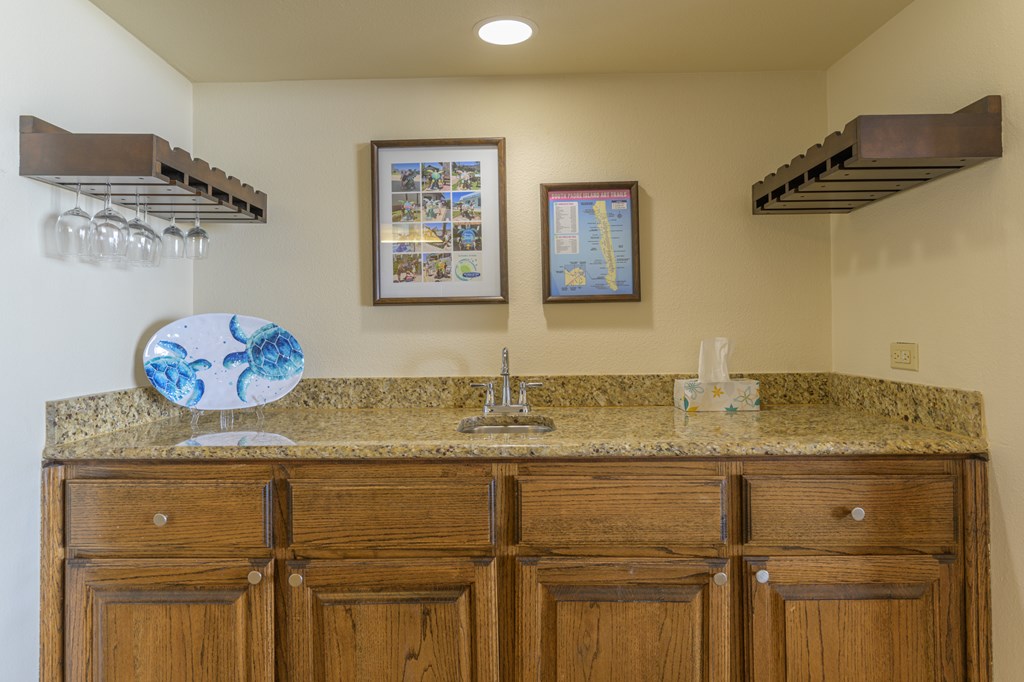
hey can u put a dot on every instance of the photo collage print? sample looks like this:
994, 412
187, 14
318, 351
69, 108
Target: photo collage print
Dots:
436, 217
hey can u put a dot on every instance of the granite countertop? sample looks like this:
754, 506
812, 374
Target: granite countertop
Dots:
614, 432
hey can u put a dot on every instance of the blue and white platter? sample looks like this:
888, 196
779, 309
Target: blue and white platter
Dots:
222, 361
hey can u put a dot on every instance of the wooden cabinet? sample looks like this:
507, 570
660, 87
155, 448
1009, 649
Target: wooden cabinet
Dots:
392, 620
136, 620
830, 570
855, 619
643, 620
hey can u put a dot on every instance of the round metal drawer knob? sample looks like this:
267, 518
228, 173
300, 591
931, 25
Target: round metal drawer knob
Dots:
159, 520
762, 576
255, 577
857, 514
721, 578
295, 580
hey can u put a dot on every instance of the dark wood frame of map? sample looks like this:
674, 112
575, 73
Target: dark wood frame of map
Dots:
596, 187
489, 226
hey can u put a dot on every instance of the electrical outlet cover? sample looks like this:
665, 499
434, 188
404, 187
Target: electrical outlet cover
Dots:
903, 355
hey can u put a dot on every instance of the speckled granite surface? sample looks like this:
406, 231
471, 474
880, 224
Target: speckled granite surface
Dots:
598, 390
946, 409
893, 417
76, 418
91, 415
614, 432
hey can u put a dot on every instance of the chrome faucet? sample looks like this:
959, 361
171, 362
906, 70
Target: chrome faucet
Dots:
506, 406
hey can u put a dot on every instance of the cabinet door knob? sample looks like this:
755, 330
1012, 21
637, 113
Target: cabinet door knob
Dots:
721, 578
159, 520
762, 576
295, 580
255, 577
857, 513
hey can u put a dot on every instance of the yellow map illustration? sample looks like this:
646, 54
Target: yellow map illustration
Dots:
575, 277
601, 214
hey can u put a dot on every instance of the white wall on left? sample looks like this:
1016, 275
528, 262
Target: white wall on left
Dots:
68, 328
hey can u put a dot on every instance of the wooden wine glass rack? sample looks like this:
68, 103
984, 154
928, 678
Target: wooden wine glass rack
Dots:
875, 157
168, 180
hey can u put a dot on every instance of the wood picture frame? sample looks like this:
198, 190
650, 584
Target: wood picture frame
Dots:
590, 241
439, 233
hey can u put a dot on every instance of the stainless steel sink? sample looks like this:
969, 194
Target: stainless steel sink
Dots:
507, 424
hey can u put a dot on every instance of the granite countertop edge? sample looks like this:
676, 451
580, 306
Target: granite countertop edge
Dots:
581, 433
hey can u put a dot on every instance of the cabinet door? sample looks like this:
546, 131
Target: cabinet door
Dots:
855, 619
169, 621
392, 620
611, 620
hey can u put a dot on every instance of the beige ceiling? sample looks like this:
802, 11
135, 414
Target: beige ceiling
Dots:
263, 40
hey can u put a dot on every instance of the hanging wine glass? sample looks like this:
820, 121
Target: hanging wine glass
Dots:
174, 240
197, 242
108, 233
73, 229
138, 249
155, 245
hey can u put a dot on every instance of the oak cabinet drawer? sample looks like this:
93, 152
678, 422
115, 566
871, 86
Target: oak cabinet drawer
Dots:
803, 512
169, 518
621, 511
399, 514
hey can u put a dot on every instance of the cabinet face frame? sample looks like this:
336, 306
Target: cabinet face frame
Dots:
553, 592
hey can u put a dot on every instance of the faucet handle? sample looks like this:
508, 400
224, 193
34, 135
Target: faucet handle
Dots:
523, 385
489, 387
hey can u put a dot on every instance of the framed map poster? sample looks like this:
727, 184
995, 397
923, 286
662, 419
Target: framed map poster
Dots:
590, 242
438, 221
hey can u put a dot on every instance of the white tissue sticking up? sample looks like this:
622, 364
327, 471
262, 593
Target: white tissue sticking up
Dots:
713, 364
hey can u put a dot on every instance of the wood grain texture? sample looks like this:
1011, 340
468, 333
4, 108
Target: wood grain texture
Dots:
408, 620
643, 620
977, 587
408, 513
136, 620
906, 512
51, 576
204, 518
854, 619
622, 511
588, 605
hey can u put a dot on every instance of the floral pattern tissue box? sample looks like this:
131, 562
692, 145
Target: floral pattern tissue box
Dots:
735, 395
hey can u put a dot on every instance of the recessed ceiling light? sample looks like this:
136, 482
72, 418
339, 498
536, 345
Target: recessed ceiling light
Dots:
505, 30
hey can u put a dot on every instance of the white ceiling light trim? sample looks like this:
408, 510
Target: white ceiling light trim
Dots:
505, 30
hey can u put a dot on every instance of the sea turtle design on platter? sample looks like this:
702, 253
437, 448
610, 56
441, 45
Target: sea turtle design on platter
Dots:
176, 379
271, 353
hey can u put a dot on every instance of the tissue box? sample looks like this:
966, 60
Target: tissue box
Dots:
735, 395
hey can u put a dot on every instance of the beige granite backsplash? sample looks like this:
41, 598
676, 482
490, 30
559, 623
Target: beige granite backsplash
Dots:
939, 408
92, 415
945, 409
591, 390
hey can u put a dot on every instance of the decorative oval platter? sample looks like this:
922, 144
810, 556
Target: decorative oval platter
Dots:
221, 361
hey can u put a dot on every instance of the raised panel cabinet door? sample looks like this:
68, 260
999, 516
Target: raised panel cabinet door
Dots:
392, 620
169, 621
855, 619
612, 620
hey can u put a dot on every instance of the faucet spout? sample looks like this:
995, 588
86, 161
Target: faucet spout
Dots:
506, 385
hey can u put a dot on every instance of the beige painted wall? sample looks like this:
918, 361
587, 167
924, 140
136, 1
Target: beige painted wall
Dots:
695, 143
944, 264
69, 328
